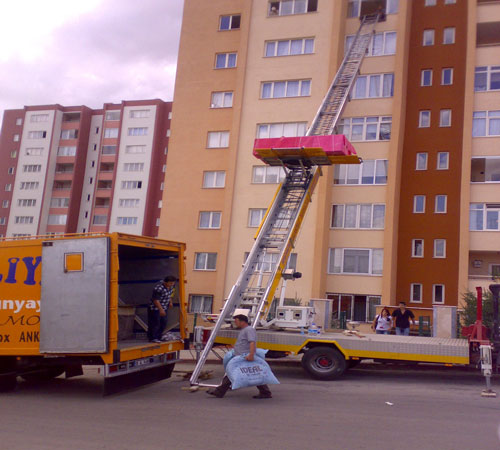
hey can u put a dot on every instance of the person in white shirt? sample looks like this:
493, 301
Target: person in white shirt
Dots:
382, 324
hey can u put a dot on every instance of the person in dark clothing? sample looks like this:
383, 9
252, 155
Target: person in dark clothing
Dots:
245, 344
403, 319
161, 301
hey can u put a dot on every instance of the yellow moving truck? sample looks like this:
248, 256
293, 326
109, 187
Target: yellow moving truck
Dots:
74, 300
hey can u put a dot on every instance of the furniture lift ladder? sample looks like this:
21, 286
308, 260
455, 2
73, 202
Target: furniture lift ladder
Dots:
261, 273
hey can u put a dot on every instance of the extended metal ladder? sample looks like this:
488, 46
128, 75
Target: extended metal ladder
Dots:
255, 288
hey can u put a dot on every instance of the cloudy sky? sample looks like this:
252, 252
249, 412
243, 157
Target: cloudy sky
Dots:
87, 52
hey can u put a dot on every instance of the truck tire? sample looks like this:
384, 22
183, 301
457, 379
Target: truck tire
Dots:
324, 363
41, 375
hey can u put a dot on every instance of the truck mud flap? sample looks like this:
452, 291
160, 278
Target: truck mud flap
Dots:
114, 385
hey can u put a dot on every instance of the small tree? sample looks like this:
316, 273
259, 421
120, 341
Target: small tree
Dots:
469, 314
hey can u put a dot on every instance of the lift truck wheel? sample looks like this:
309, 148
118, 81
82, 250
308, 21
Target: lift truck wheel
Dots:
45, 374
324, 363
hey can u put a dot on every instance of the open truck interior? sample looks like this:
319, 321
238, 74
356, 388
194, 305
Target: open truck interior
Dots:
139, 270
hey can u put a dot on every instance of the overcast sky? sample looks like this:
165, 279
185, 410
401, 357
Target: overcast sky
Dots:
87, 52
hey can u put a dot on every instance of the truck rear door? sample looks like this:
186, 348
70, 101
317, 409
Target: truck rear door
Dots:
75, 296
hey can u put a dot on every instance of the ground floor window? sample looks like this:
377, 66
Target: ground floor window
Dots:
360, 308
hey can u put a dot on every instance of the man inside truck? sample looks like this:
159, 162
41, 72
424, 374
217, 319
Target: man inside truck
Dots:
161, 301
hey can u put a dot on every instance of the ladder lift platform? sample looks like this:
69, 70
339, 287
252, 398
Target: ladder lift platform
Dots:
308, 150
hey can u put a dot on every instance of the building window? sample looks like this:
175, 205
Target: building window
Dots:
447, 76
361, 261
442, 160
100, 220
419, 204
439, 248
29, 202
416, 293
417, 248
221, 100
200, 304
225, 60
485, 123
13, 154
268, 261
137, 131
290, 88
255, 216
487, 78
131, 185
370, 171
10, 171
445, 118
135, 149
358, 216
133, 167
428, 38
108, 150
373, 86
424, 119
449, 2
288, 7
449, 35
267, 175
354, 7
484, 217
421, 161
29, 185
24, 220
214, 179
32, 168
218, 139
205, 261
66, 151
19, 121
376, 128
381, 44
59, 202
34, 151
139, 113
441, 204
112, 115
230, 22
126, 220
16, 137
2, 220
69, 134
209, 220
290, 47
426, 77
57, 219
39, 118
8, 187
273, 130
5, 203
129, 203
35, 135
110, 133
438, 293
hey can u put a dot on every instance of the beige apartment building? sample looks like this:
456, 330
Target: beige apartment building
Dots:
418, 221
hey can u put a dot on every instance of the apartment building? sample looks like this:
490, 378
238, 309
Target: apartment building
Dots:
77, 170
416, 222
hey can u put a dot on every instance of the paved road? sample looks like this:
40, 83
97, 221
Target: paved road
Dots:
430, 410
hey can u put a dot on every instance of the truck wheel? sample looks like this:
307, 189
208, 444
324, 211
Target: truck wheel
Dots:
43, 374
324, 363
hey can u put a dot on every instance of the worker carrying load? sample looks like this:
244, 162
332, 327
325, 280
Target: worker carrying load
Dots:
245, 365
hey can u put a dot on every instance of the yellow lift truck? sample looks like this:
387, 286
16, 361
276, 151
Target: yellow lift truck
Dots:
76, 300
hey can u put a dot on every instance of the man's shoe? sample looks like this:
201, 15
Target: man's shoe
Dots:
259, 396
215, 393
156, 341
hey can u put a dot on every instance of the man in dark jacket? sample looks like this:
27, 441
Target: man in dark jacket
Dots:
403, 319
161, 301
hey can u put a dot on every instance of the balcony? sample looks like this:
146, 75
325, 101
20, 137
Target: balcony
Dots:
488, 33
71, 117
102, 202
484, 268
60, 185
